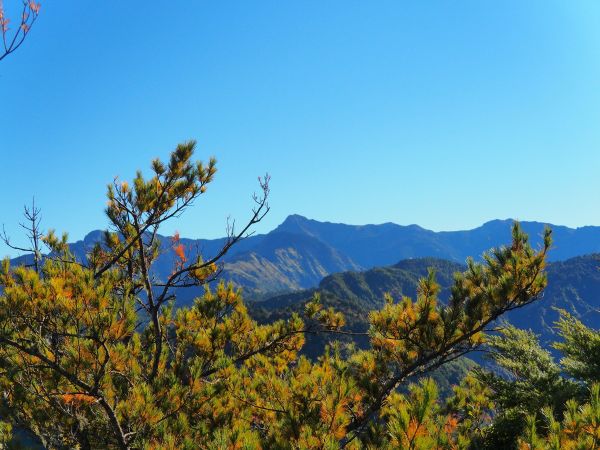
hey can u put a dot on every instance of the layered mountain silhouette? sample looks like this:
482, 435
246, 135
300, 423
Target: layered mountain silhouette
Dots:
573, 285
300, 252
385, 244
352, 267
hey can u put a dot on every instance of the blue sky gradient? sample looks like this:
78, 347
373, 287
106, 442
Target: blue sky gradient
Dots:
444, 114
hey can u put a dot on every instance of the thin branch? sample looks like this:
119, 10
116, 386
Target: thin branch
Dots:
29, 15
116, 425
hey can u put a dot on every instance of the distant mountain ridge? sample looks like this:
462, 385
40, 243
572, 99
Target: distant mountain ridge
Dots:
573, 285
388, 243
349, 265
300, 252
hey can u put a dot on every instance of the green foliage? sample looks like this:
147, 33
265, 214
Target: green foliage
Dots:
526, 380
544, 402
99, 356
413, 418
355, 295
579, 429
580, 347
5, 433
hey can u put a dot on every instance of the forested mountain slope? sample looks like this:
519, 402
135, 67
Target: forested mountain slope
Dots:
573, 285
301, 252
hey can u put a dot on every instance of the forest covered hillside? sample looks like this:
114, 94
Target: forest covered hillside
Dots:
114, 342
300, 252
283, 269
207, 119
573, 286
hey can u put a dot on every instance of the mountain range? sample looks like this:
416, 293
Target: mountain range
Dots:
573, 285
353, 266
300, 252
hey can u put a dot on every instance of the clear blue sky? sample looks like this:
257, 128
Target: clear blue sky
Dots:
445, 114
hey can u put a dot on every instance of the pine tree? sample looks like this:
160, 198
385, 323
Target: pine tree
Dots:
539, 403
97, 353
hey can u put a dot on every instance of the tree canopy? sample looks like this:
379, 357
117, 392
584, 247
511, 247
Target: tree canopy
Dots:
97, 353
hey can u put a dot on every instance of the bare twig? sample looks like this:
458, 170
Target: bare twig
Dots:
29, 14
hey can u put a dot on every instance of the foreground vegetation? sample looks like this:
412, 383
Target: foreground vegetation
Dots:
98, 355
